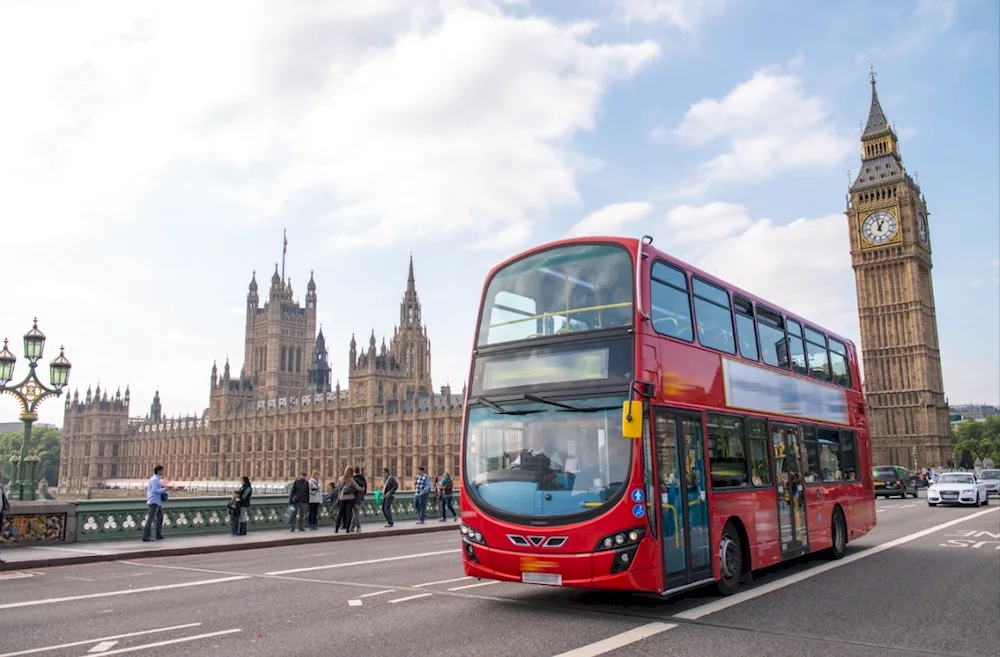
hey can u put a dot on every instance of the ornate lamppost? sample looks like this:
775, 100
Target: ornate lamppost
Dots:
915, 454
30, 393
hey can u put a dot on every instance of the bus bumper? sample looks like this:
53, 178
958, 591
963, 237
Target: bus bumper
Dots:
596, 570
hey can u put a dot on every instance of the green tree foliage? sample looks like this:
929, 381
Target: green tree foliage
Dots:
982, 439
45, 441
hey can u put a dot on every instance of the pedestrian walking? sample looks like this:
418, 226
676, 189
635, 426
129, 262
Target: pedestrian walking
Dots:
4, 505
359, 497
447, 487
348, 491
298, 501
156, 495
315, 499
389, 488
245, 493
421, 492
234, 513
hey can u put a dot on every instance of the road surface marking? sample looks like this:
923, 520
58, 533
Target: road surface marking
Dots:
443, 581
158, 644
103, 646
106, 638
15, 576
361, 563
355, 603
412, 597
108, 594
618, 640
368, 595
756, 592
472, 586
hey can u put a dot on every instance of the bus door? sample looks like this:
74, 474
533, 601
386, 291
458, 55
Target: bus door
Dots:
683, 498
791, 488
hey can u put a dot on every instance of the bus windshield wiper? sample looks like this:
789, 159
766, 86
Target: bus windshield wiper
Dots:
498, 409
567, 407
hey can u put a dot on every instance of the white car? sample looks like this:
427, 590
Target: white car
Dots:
992, 480
957, 488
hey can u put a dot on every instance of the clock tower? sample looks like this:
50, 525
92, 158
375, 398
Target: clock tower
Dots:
891, 255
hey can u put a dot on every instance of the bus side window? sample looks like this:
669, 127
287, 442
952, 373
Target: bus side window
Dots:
760, 453
746, 328
772, 338
838, 363
670, 302
714, 316
816, 355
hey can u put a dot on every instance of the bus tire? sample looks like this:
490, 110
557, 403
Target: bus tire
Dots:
838, 535
731, 565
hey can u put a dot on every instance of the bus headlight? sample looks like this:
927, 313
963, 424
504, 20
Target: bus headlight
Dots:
621, 539
473, 535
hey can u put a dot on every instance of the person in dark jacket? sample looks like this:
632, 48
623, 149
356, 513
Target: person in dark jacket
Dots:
389, 488
445, 490
362, 485
245, 493
299, 499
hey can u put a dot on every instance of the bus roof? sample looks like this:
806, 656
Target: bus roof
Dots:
632, 244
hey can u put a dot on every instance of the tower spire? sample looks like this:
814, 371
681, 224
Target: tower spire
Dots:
284, 250
877, 122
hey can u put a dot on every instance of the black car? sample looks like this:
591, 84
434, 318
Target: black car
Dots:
893, 480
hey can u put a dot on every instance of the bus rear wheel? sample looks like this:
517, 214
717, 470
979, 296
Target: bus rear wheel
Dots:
838, 533
730, 560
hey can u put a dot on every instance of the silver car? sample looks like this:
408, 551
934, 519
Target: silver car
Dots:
992, 480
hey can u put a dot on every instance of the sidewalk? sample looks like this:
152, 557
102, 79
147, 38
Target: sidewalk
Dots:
20, 558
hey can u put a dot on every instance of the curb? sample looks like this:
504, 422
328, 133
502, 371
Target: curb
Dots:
210, 549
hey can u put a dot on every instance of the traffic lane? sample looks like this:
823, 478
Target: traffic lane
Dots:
294, 616
684, 640
265, 560
71, 581
920, 595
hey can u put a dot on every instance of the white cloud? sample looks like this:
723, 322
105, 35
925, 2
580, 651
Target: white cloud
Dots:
612, 219
771, 125
683, 14
930, 19
444, 116
803, 266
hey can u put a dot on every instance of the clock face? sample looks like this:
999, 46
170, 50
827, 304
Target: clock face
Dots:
922, 227
879, 227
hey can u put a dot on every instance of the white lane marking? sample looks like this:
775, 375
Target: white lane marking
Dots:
108, 594
355, 603
368, 595
158, 644
412, 597
739, 598
106, 638
103, 646
618, 640
15, 576
443, 581
362, 563
472, 586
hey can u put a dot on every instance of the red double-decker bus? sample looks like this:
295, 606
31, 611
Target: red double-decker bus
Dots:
633, 423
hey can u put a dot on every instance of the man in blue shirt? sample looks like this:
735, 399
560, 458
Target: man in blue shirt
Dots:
422, 490
155, 492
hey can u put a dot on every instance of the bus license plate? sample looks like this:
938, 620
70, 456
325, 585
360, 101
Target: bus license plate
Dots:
549, 579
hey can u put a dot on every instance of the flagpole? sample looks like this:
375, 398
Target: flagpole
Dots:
284, 250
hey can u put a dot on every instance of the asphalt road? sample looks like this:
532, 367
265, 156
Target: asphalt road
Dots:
926, 581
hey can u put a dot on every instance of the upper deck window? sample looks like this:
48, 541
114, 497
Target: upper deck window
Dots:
566, 289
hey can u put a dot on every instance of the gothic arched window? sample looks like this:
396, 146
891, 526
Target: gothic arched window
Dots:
281, 365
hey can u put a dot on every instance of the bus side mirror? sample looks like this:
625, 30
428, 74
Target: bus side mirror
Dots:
632, 428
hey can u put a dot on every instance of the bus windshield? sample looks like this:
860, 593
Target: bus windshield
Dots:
562, 290
544, 460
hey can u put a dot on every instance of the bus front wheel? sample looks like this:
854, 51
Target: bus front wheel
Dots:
730, 560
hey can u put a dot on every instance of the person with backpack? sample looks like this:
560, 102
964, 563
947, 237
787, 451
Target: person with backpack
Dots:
445, 490
362, 489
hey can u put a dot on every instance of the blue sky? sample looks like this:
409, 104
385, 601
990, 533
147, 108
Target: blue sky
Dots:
156, 154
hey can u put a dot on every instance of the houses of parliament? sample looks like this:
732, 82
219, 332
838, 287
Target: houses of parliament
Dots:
279, 415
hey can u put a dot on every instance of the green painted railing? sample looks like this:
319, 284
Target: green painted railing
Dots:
102, 520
